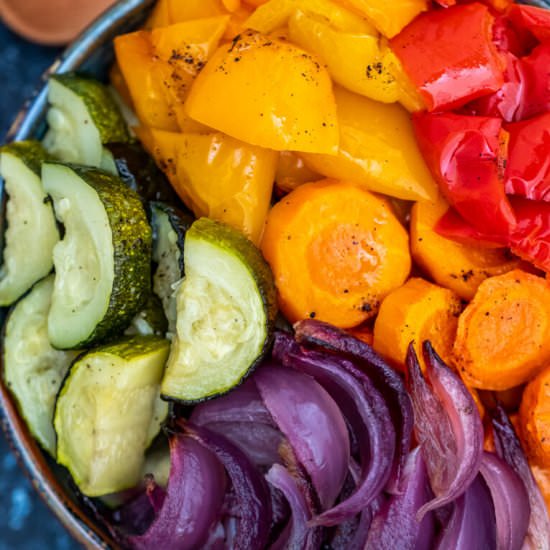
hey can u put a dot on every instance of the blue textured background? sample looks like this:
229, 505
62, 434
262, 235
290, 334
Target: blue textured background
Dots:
25, 522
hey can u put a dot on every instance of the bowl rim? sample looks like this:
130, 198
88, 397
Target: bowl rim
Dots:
76, 520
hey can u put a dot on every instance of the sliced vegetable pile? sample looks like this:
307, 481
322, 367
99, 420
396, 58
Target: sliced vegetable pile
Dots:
284, 285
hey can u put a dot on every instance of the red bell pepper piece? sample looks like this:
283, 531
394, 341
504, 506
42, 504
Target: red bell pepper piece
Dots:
466, 156
450, 56
533, 19
507, 39
528, 167
433, 129
453, 226
525, 92
530, 239
506, 103
536, 70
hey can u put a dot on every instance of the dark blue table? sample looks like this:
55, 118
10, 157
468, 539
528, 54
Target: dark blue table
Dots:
25, 522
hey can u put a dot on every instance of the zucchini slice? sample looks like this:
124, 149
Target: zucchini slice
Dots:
169, 228
150, 320
83, 116
108, 412
31, 230
32, 369
103, 262
226, 308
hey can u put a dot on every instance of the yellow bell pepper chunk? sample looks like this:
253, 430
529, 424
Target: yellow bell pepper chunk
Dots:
231, 5
389, 17
169, 12
216, 176
227, 180
255, 3
267, 92
356, 61
160, 65
275, 14
237, 23
378, 150
160, 16
141, 73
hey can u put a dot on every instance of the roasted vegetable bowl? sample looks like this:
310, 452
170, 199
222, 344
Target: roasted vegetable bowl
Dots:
276, 274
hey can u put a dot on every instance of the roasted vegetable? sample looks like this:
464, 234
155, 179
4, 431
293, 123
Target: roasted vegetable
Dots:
533, 419
297, 113
226, 180
31, 231
225, 314
33, 370
336, 251
502, 338
159, 66
82, 117
416, 312
377, 150
169, 228
360, 62
456, 41
103, 263
109, 411
459, 267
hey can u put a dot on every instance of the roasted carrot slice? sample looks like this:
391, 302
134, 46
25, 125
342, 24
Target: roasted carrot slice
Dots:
415, 312
450, 264
534, 417
336, 251
502, 338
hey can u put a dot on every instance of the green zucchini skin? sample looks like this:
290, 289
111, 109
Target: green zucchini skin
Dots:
132, 245
100, 104
82, 117
30, 227
177, 384
32, 370
116, 382
140, 173
170, 225
31, 153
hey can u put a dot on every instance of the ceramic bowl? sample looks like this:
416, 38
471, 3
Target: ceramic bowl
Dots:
91, 53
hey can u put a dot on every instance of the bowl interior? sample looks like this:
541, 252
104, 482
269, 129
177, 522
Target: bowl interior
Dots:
91, 53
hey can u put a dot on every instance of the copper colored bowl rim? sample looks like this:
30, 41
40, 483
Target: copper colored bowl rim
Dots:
30, 124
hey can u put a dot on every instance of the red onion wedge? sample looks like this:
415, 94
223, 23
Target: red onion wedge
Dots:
396, 524
447, 426
509, 448
387, 381
243, 404
193, 501
365, 411
298, 535
510, 500
472, 522
252, 500
313, 424
242, 417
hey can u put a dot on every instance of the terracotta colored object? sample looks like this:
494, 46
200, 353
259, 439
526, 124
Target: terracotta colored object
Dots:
51, 22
